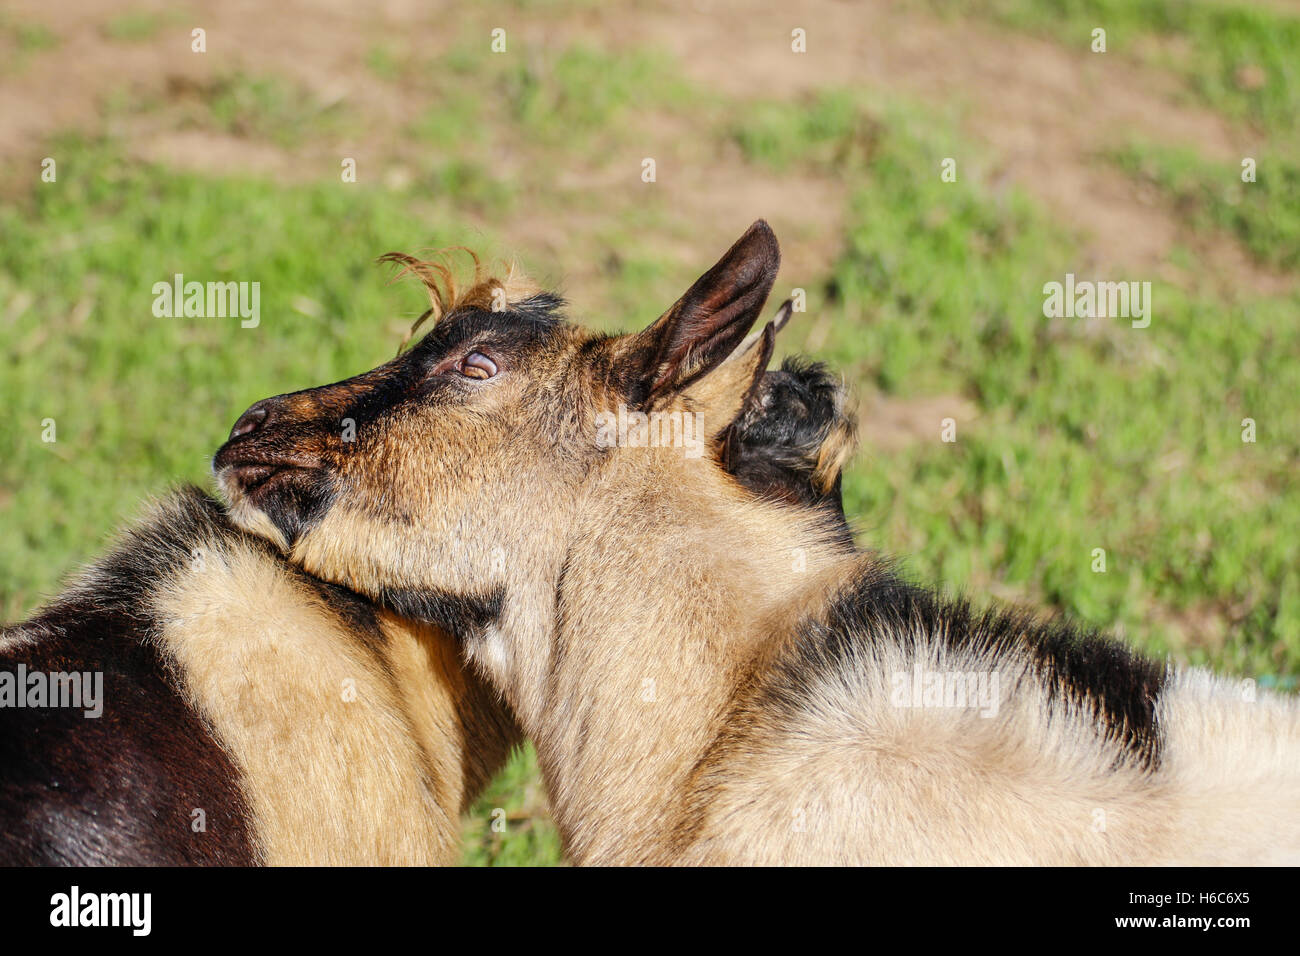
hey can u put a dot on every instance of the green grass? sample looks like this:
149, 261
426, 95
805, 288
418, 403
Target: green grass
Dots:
1262, 214
262, 107
541, 111
529, 838
34, 37
562, 98
382, 62
20, 40
269, 108
826, 129
584, 90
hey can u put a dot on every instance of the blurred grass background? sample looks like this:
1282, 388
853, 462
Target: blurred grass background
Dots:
1073, 434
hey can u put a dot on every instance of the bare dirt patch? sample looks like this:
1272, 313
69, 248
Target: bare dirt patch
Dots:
887, 423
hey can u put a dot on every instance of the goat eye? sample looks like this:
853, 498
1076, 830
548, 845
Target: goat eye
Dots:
477, 365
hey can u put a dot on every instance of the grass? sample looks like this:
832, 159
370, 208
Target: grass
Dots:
381, 61
502, 126
509, 825
1086, 434
34, 37
586, 90
265, 108
564, 100
822, 130
269, 108
1262, 214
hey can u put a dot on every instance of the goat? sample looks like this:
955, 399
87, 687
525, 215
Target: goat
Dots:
257, 715
711, 676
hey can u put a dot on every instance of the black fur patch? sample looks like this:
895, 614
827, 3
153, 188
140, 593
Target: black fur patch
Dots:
121, 788
775, 442
299, 507
463, 616
523, 324
123, 579
1106, 679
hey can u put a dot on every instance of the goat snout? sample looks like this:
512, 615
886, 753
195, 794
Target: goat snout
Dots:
257, 416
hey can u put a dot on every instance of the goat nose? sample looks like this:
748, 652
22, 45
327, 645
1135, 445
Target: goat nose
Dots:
251, 420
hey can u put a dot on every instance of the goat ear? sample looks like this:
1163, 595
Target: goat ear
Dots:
724, 393
706, 324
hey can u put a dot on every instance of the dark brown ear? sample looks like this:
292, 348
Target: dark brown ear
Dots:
706, 324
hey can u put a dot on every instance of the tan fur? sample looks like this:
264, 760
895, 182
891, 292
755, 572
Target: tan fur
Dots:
715, 599
456, 720
836, 450
645, 598
1034, 785
719, 397
350, 755
633, 779
1026, 788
